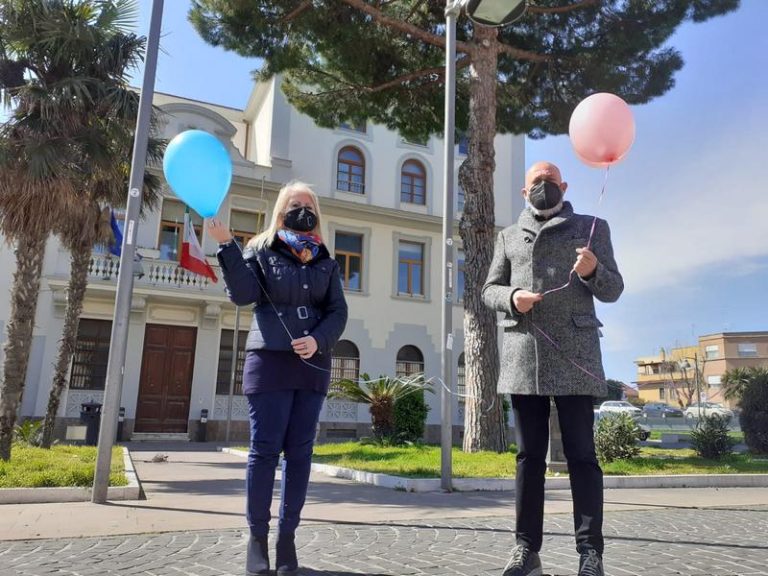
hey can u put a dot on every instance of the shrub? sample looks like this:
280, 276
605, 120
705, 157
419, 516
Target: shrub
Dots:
410, 417
29, 432
710, 438
754, 414
381, 395
616, 438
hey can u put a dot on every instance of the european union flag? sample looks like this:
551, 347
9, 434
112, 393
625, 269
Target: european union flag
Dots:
116, 247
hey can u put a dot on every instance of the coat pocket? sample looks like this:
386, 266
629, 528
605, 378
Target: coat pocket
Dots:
586, 321
587, 334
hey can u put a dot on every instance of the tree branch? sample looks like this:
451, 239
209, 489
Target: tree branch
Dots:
396, 24
437, 72
435, 40
518, 54
414, 10
300, 9
562, 9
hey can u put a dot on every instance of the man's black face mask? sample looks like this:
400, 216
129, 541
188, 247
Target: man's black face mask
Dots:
300, 219
545, 195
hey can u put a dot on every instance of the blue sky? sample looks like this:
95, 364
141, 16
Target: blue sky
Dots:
687, 207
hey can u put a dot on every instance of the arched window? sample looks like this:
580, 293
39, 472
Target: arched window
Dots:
350, 170
345, 362
460, 371
413, 182
410, 361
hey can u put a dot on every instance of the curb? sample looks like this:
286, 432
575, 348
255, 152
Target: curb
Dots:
551, 483
78, 494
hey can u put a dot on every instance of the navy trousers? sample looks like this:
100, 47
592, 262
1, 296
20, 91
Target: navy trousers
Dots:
281, 421
576, 417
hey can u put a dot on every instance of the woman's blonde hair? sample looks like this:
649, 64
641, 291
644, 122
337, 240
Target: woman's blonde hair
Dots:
265, 238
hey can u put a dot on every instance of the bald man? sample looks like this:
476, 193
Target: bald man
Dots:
551, 349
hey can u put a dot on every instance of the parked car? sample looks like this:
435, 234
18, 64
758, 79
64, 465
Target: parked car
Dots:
707, 409
643, 431
618, 407
661, 410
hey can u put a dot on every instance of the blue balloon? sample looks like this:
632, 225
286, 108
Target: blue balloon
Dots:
199, 170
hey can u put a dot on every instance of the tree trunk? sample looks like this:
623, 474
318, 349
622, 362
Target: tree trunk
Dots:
78, 282
383, 418
26, 288
484, 427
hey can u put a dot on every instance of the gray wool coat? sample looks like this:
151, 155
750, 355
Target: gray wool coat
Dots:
553, 350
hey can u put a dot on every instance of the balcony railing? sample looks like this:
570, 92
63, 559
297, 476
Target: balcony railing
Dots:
156, 273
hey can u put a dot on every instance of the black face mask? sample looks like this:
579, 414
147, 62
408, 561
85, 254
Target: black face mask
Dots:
545, 195
300, 219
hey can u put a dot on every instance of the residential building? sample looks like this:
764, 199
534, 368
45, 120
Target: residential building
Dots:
672, 377
381, 199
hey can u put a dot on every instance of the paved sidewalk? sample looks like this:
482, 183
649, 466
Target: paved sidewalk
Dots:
192, 524
661, 542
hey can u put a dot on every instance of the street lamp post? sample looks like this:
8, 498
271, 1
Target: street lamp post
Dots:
684, 365
494, 13
119, 336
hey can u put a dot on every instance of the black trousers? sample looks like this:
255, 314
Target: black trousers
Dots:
532, 430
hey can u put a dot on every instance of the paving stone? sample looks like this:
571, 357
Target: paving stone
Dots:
665, 542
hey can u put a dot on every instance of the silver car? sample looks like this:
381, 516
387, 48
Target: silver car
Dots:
707, 409
619, 407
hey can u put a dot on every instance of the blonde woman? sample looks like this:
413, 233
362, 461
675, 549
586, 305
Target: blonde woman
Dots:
299, 313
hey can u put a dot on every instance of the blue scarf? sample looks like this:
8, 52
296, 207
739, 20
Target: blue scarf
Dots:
304, 246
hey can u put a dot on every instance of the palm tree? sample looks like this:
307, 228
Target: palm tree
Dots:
735, 381
88, 227
51, 149
380, 395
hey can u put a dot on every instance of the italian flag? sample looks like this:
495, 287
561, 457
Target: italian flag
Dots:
192, 257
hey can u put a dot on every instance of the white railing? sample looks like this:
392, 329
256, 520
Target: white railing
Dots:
157, 273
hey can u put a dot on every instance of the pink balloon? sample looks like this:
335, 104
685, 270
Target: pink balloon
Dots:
602, 129
593, 164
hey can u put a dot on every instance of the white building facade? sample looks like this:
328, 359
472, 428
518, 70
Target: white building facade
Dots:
382, 205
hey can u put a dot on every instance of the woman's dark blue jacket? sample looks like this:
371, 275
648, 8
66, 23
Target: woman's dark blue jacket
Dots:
307, 298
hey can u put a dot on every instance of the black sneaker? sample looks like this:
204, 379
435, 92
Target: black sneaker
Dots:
257, 558
591, 564
524, 562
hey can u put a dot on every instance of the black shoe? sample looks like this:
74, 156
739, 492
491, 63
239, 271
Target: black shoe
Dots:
524, 562
591, 564
286, 561
257, 558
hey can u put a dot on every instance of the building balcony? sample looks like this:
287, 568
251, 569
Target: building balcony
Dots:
151, 275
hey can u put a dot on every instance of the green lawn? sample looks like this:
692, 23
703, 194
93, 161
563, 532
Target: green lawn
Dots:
415, 461
424, 462
738, 436
61, 466
684, 461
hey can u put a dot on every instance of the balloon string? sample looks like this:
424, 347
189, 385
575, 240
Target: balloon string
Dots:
589, 240
557, 347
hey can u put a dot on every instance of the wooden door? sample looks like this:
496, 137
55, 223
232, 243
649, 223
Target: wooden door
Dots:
165, 386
